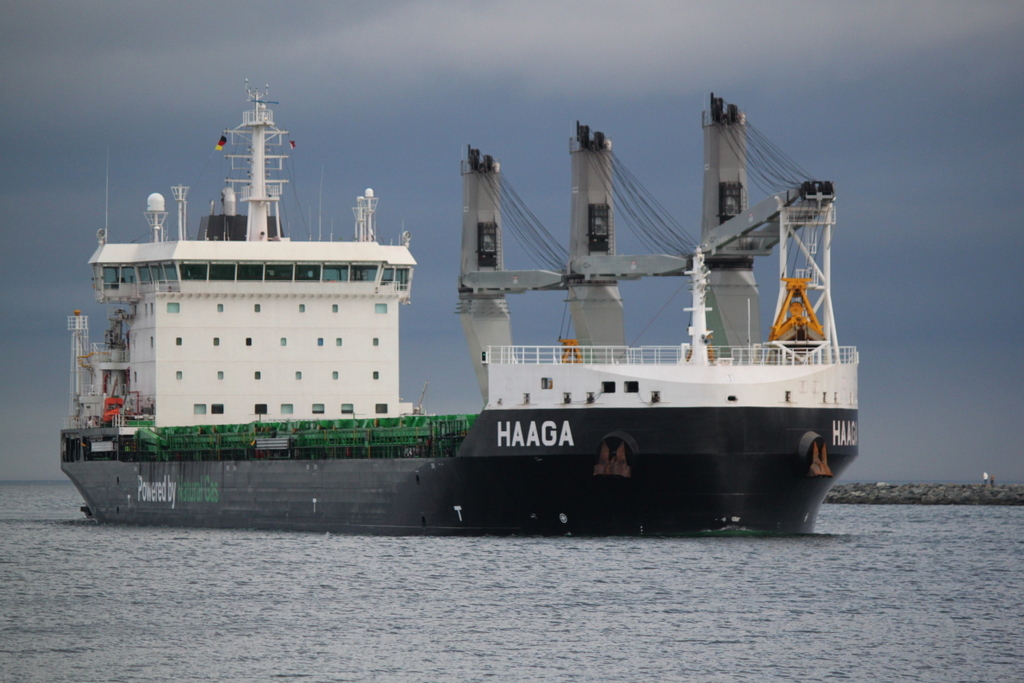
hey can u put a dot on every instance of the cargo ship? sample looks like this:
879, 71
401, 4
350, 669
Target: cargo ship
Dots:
246, 380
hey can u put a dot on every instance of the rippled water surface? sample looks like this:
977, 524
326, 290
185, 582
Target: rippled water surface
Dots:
880, 593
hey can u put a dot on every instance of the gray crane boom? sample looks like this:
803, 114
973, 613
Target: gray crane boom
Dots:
761, 221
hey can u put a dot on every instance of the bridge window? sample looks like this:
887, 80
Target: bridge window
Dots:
279, 272
194, 271
128, 275
388, 275
364, 273
111, 277
307, 272
402, 276
250, 271
170, 272
335, 272
144, 274
222, 271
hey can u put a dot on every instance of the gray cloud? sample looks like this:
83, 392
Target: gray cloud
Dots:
88, 56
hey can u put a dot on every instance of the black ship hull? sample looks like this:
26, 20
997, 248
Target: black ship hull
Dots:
650, 471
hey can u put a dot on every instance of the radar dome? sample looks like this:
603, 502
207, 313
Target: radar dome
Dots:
155, 202
369, 192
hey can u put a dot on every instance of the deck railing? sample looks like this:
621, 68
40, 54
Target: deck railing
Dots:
766, 354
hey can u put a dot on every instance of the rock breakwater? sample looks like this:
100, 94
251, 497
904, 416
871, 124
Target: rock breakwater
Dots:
926, 494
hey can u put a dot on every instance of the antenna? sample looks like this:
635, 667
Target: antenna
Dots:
180, 194
106, 200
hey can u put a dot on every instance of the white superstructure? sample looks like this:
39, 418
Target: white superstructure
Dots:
243, 325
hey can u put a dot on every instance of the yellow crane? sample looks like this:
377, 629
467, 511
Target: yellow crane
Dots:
796, 320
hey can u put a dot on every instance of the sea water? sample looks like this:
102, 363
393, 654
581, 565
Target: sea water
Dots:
879, 593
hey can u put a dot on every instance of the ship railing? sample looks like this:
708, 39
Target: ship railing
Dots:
271, 189
394, 286
757, 354
252, 117
437, 439
133, 291
101, 354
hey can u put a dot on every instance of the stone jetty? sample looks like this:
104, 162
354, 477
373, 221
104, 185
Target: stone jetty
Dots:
926, 494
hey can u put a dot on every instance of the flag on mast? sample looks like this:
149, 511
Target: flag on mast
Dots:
223, 141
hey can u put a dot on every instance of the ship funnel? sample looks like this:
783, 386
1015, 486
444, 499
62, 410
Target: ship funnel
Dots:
227, 198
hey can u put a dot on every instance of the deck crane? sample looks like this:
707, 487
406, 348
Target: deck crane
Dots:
798, 219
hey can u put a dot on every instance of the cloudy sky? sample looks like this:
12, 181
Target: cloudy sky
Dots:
912, 108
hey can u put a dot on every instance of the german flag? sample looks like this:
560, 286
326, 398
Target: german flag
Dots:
223, 141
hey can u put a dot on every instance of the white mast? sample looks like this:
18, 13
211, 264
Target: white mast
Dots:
78, 324
180, 195
260, 186
366, 206
700, 336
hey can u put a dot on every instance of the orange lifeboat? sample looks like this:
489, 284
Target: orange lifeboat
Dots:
112, 406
